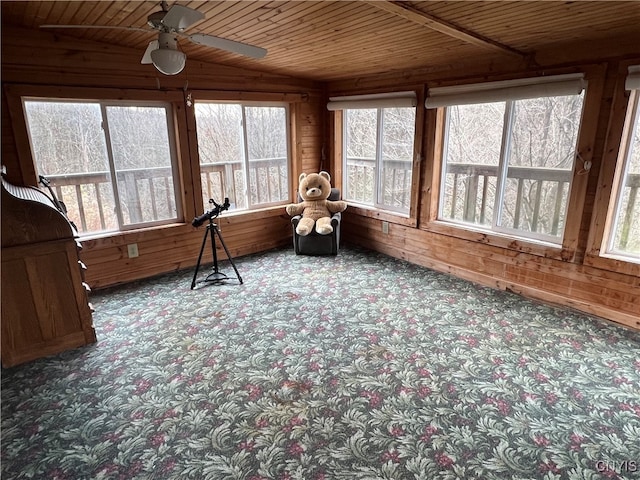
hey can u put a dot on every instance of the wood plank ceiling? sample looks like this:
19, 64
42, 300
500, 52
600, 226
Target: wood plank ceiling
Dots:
333, 40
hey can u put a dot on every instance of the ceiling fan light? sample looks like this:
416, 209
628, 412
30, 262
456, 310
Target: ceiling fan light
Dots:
167, 61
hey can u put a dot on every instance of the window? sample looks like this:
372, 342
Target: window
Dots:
624, 236
378, 156
111, 163
244, 153
508, 156
378, 133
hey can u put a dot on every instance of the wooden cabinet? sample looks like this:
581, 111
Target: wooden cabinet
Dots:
45, 307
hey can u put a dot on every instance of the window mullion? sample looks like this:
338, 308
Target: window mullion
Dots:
112, 165
345, 157
503, 164
377, 181
444, 163
245, 160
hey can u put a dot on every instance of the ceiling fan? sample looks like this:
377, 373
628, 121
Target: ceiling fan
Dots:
163, 53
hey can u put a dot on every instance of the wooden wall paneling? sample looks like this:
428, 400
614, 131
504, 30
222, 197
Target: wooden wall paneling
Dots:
433, 142
584, 154
562, 300
9, 153
365, 237
513, 266
81, 63
26, 166
295, 146
575, 51
189, 176
191, 163
175, 248
609, 82
419, 154
309, 135
496, 239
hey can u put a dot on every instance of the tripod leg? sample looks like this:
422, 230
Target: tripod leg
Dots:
216, 276
224, 245
204, 241
214, 228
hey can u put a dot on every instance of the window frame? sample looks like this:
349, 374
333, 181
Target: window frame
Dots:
509, 116
221, 96
631, 125
378, 167
172, 101
338, 159
567, 250
243, 104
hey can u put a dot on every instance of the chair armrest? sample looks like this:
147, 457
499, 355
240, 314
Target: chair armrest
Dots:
336, 218
295, 220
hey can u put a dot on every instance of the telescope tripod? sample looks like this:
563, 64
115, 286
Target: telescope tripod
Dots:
216, 276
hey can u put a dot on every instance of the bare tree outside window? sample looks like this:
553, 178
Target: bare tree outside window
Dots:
508, 165
360, 145
243, 153
221, 150
474, 139
543, 141
267, 154
378, 145
140, 145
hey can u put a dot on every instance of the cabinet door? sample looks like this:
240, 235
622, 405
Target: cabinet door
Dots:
40, 314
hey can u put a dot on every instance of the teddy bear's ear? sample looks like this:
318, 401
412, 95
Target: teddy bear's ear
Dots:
302, 177
325, 175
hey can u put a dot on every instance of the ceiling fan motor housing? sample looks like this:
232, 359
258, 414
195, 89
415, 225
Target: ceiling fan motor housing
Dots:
167, 41
155, 20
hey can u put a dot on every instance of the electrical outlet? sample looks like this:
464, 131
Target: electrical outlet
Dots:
132, 250
385, 227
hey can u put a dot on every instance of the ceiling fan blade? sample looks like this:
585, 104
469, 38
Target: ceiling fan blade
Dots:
228, 45
178, 17
112, 27
146, 58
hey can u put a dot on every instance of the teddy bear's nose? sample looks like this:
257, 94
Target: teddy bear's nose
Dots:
313, 192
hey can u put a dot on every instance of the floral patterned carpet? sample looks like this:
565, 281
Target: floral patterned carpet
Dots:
316, 368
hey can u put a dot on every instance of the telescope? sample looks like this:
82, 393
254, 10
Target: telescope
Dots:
212, 232
213, 213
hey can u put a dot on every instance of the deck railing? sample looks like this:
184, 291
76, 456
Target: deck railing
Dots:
395, 181
267, 176
471, 184
147, 194
470, 198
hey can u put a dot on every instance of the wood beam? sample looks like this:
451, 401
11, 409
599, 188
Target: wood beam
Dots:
424, 19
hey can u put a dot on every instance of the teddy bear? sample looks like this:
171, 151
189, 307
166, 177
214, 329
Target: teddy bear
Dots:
315, 189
